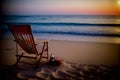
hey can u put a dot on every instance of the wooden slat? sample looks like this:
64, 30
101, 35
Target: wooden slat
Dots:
24, 38
44, 57
26, 63
26, 56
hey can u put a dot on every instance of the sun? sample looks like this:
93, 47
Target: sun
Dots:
118, 2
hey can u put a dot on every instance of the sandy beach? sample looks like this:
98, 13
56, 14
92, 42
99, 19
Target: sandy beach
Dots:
80, 61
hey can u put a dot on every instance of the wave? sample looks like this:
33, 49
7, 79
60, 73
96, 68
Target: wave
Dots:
78, 33
66, 24
56, 28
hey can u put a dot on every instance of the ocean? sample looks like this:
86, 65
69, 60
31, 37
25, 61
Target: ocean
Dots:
90, 28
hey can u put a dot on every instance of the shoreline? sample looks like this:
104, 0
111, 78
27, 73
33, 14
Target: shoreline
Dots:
75, 38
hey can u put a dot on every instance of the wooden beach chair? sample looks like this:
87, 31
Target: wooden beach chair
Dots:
24, 39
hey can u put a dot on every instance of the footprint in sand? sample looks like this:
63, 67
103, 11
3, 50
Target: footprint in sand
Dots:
43, 74
21, 75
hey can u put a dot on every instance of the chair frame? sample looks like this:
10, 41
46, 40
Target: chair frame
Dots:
37, 56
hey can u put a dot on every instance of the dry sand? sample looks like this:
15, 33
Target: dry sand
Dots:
71, 51
81, 61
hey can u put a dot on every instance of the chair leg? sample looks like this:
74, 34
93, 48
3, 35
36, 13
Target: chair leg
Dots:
18, 59
46, 56
47, 52
38, 61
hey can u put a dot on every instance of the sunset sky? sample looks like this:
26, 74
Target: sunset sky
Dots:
62, 7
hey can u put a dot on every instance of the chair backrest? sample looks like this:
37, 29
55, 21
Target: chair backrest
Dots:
23, 36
